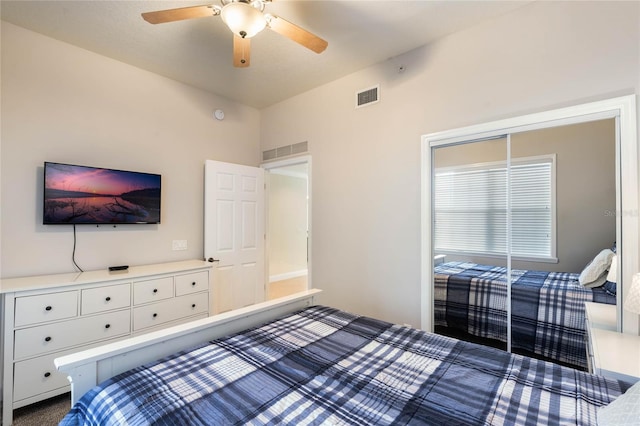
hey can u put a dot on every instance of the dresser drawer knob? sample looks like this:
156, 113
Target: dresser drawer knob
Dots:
193, 306
107, 326
155, 290
47, 339
155, 315
193, 283
108, 299
48, 308
47, 374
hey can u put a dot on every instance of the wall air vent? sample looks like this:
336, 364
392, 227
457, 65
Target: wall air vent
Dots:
269, 154
298, 148
285, 151
368, 96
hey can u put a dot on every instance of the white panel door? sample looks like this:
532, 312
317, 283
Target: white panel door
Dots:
234, 233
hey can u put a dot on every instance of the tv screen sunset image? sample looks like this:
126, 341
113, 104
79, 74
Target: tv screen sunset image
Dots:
79, 194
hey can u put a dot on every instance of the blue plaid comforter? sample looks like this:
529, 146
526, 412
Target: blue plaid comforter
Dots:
548, 316
324, 366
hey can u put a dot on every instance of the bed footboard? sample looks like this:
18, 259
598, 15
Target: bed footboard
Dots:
88, 368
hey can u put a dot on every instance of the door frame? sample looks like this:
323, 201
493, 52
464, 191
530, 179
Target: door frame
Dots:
275, 164
623, 109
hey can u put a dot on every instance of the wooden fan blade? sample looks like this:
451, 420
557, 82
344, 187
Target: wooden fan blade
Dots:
241, 51
162, 16
297, 34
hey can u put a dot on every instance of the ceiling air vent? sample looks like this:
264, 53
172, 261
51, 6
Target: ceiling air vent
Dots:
368, 96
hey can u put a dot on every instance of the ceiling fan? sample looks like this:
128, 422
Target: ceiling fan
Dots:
245, 18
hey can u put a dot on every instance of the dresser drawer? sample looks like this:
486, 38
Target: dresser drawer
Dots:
169, 324
54, 337
106, 298
152, 290
36, 376
170, 310
45, 307
192, 283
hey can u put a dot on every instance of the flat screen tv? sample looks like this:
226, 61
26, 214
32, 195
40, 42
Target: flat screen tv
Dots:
98, 196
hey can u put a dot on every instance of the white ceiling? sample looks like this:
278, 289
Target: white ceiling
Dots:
199, 51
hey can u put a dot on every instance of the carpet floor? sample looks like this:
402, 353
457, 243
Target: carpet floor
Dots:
43, 413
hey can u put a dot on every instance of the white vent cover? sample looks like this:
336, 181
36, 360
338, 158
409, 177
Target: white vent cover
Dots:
368, 96
285, 151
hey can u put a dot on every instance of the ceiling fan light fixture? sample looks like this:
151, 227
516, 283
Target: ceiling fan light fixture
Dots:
243, 19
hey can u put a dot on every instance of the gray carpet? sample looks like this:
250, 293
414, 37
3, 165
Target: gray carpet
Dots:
43, 413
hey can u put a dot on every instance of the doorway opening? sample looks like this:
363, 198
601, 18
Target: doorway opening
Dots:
288, 226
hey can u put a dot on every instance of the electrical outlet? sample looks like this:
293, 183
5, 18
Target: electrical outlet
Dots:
179, 245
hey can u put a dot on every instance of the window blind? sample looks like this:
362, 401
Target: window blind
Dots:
471, 209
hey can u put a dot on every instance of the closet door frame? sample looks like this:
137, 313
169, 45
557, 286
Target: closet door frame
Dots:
623, 110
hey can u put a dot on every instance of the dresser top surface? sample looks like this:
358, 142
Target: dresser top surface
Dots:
51, 282
601, 315
617, 351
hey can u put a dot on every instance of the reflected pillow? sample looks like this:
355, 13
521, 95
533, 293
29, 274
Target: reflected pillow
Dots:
625, 410
610, 288
613, 270
612, 276
595, 273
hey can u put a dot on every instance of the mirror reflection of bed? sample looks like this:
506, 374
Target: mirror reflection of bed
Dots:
563, 208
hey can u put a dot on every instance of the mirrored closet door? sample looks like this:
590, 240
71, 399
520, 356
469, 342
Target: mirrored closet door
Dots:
523, 229
470, 238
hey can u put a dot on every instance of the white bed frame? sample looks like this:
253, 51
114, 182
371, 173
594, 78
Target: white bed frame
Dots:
88, 368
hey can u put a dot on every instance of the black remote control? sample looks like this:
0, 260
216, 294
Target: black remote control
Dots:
118, 268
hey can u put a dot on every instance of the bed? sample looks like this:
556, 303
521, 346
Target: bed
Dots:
320, 365
548, 317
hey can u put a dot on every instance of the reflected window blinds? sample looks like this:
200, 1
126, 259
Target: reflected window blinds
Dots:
470, 208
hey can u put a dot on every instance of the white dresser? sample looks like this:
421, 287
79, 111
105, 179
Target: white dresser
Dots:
45, 317
610, 353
